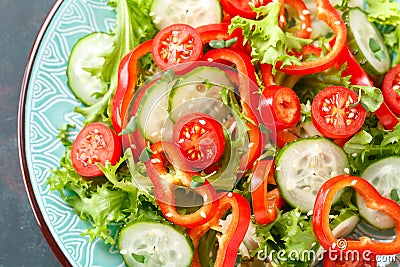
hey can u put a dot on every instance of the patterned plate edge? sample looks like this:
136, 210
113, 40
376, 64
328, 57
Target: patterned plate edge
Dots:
21, 139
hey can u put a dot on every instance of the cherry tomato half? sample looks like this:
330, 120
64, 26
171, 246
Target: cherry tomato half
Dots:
200, 138
177, 43
391, 89
95, 143
336, 113
284, 105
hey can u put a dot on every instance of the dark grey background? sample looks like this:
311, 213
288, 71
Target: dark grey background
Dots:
21, 242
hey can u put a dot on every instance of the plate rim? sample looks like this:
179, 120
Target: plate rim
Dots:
44, 228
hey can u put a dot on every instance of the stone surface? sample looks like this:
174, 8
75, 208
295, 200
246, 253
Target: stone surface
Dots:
21, 242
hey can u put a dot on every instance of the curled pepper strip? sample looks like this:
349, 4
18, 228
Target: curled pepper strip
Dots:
247, 77
249, 96
127, 79
304, 16
228, 242
333, 19
255, 142
266, 74
219, 31
373, 199
265, 203
165, 196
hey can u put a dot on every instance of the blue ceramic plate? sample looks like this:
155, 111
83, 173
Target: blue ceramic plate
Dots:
46, 103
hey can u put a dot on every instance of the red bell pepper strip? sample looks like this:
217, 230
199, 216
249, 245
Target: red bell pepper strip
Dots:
304, 16
333, 19
256, 142
387, 117
279, 107
127, 79
341, 141
248, 88
135, 141
219, 31
373, 199
390, 87
337, 258
360, 77
266, 74
265, 203
165, 196
229, 241
249, 96
283, 137
240, 8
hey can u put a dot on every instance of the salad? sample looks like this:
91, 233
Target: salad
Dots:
231, 133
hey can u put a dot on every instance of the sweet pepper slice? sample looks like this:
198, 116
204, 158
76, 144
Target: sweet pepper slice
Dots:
230, 240
164, 190
373, 200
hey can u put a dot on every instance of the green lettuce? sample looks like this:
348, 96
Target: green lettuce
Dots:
270, 44
384, 12
310, 85
370, 145
371, 98
288, 241
100, 202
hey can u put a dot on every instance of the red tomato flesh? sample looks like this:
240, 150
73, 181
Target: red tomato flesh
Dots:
336, 113
176, 44
95, 143
200, 138
391, 89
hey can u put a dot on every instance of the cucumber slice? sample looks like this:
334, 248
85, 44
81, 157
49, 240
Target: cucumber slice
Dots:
154, 244
153, 116
191, 12
304, 165
88, 53
366, 43
384, 175
345, 223
191, 95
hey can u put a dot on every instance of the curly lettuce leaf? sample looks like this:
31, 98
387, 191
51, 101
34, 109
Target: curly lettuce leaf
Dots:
310, 85
371, 98
270, 44
112, 198
289, 240
93, 201
384, 12
370, 145
143, 205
